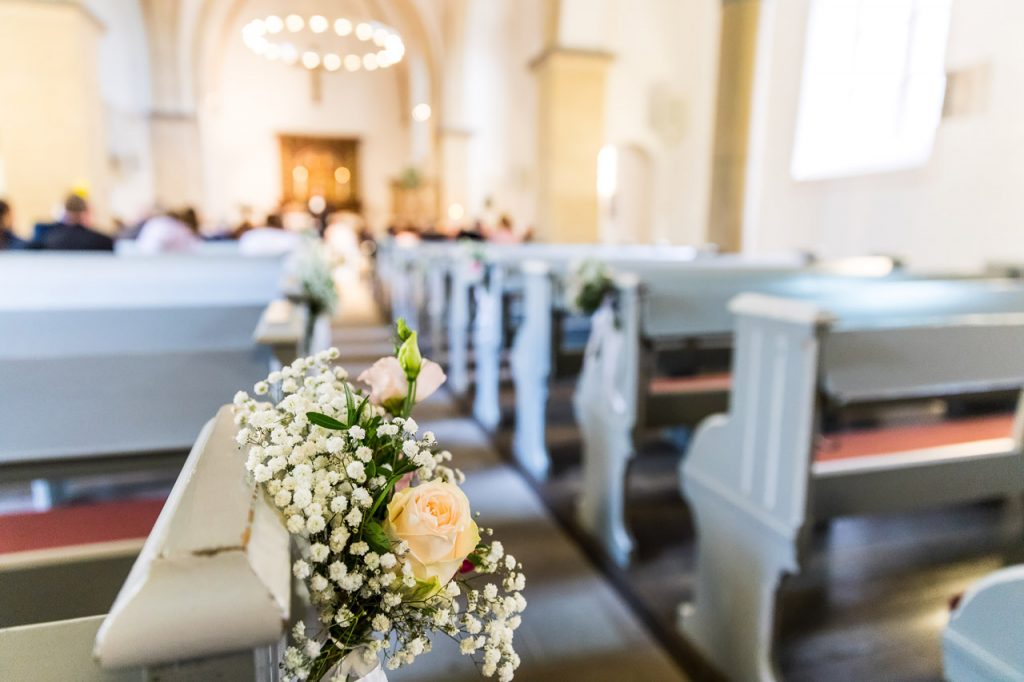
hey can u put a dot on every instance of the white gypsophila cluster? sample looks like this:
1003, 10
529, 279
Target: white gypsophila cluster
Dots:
331, 487
588, 283
312, 266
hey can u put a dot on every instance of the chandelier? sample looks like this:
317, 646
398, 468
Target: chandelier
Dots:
318, 42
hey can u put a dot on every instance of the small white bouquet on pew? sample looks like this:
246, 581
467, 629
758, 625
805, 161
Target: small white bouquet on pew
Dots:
311, 274
588, 285
390, 550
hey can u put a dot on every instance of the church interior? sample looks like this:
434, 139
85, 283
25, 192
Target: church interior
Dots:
423, 340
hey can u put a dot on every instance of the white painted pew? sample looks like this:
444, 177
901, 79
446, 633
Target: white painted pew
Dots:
203, 600
614, 398
502, 276
412, 280
219, 247
543, 304
40, 280
755, 478
982, 642
104, 356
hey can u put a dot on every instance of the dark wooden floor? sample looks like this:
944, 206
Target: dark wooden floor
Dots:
871, 602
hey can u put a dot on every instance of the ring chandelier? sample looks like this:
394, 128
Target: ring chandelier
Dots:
368, 45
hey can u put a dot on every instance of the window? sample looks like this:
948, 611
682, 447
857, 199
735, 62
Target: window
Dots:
873, 83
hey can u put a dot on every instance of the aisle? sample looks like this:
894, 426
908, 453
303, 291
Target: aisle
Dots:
576, 626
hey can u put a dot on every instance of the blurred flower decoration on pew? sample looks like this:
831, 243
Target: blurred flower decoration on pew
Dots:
310, 275
589, 284
390, 552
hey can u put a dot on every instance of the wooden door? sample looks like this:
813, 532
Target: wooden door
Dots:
324, 166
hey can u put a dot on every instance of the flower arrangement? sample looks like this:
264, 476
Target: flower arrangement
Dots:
588, 286
389, 548
312, 267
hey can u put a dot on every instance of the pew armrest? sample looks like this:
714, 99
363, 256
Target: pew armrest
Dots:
982, 640
213, 576
283, 326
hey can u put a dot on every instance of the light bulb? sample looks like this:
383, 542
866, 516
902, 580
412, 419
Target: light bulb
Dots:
343, 27
332, 62
364, 31
353, 62
310, 60
421, 112
273, 23
370, 61
294, 23
318, 24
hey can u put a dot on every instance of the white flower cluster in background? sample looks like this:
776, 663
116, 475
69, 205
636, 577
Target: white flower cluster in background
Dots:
589, 283
311, 268
389, 549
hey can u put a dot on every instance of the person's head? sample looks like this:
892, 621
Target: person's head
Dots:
5, 215
76, 210
189, 216
505, 222
274, 220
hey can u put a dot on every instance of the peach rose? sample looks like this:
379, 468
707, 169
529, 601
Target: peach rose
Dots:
388, 385
435, 520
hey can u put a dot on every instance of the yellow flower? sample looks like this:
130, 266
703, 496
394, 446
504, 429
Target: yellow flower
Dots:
434, 519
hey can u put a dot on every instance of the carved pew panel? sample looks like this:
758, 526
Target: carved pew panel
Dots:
756, 467
982, 641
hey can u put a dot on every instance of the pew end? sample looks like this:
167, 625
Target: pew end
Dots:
283, 327
982, 642
755, 479
213, 576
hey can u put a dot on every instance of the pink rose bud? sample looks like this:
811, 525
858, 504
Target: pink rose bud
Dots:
467, 566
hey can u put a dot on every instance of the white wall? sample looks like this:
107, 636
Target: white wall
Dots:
255, 100
125, 89
51, 120
964, 207
499, 105
661, 97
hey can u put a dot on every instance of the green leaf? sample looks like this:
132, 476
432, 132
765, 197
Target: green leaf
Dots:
475, 559
350, 404
376, 537
325, 421
359, 410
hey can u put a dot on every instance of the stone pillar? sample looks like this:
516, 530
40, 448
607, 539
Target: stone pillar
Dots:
737, 51
570, 132
174, 126
52, 127
454, 156
177, 165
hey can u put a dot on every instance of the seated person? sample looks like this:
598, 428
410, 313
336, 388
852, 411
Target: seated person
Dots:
169, 233
7, 238
72, 233
272, 240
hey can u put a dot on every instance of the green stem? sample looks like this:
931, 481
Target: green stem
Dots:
410, 399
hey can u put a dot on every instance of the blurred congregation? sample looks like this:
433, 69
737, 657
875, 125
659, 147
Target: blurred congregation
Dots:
728, 296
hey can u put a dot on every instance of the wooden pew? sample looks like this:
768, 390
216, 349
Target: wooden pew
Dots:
547, 340
756, 478
483, 279
199, 603
982, 642
619, 393
412, 282
105, 357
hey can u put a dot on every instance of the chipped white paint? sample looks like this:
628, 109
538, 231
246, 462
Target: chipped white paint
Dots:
213, 576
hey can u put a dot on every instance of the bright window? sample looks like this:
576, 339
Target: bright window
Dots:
873, 83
